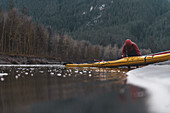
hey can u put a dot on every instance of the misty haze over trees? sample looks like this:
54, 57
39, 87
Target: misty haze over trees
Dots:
105, 23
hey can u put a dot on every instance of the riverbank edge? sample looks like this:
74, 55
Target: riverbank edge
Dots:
150, 69
15, 59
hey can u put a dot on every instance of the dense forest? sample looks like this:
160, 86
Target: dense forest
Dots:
104, 22
82, 30
21, 36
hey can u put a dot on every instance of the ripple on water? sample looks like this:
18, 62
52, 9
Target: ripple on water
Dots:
59, 74
16, 77
2, 79
3, 74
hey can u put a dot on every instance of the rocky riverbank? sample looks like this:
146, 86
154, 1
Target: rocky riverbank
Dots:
13, 59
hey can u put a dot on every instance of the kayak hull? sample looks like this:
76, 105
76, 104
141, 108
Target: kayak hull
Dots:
127, 61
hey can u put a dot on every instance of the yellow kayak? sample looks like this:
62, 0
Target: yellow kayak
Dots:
128, 61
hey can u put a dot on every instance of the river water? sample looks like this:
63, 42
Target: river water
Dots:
56, 89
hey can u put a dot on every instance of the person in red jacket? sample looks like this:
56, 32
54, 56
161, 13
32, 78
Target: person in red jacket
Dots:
130, 49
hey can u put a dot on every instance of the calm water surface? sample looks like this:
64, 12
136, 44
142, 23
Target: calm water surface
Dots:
55, 89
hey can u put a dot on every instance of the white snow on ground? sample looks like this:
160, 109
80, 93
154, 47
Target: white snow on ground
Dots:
102, 7
84, 13
91, 8
156, 80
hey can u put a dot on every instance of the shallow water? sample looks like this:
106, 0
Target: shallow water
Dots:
54, 89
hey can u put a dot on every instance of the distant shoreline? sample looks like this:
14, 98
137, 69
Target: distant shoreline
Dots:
13, 59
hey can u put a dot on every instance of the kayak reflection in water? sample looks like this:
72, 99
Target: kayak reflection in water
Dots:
135, 92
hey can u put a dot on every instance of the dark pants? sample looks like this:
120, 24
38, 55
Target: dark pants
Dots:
133, 53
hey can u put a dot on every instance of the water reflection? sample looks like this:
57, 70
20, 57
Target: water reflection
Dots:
54, 89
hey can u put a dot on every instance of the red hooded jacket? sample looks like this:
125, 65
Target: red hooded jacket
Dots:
130, 49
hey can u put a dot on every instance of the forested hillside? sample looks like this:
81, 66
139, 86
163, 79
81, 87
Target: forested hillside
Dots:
20, 36
104, 22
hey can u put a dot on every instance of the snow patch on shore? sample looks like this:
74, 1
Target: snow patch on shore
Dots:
155, 79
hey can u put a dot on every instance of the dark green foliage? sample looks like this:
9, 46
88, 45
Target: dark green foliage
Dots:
19, 35
108, 22
0, 7
12, 4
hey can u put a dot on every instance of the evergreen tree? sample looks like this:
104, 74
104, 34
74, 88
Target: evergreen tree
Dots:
0, 7
11, 5
25, 11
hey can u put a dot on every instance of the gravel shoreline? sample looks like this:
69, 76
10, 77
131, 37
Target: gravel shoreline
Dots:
6, 59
